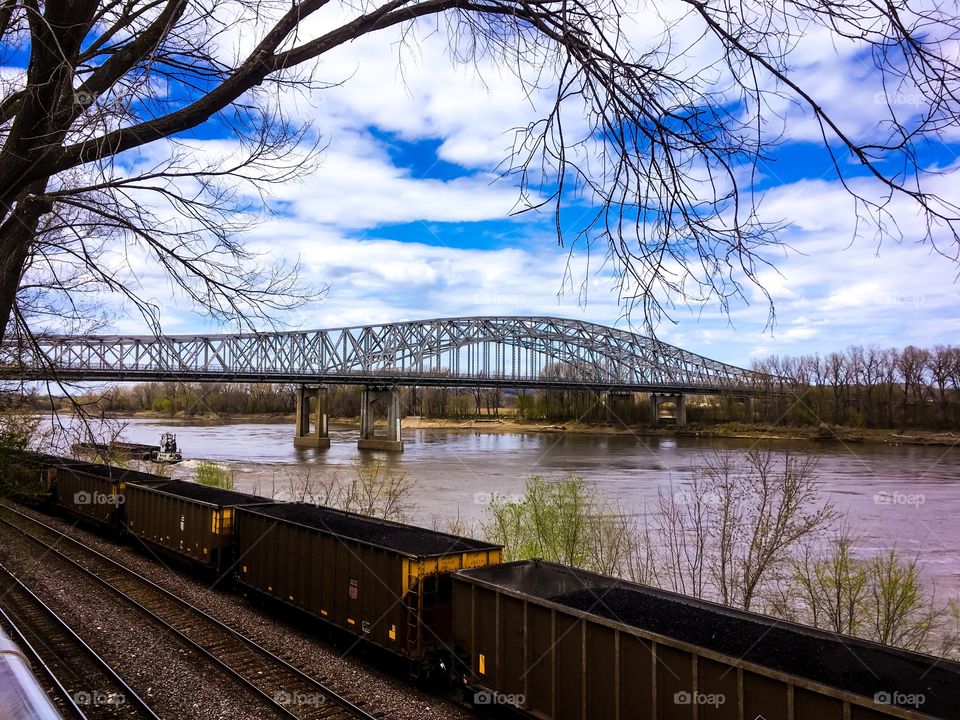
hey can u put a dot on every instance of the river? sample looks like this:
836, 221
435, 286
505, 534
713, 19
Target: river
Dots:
906, 497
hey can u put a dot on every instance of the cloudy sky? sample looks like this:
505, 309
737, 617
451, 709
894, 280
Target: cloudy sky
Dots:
406, 216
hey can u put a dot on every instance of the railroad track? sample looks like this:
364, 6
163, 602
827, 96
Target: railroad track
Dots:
86, 685
287, 690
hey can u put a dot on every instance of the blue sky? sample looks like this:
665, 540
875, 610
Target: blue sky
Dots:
405, 217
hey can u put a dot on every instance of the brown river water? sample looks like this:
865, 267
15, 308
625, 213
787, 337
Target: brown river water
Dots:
906, 497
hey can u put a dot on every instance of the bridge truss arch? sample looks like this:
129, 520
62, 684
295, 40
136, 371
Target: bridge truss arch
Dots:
469, 351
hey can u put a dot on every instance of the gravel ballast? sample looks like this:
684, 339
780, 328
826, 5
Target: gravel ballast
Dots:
173, 680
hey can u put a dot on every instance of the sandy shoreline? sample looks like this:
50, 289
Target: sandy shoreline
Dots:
841, 435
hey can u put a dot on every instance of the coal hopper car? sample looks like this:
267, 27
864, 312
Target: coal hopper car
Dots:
95, 493
190, 521
382, 581
91, 492
566, 644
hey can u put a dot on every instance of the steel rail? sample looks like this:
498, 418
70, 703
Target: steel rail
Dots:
62, 697
239, 656
63, 655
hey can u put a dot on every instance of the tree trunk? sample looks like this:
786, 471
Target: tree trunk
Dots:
17, 236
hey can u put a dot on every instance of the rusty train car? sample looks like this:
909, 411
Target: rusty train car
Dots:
549, 641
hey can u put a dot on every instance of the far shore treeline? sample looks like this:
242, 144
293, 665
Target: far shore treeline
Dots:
866, 387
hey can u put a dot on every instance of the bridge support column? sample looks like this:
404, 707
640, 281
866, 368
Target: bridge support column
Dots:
319, 435
679, 404
681, 413
619, 407
748, 409
391, 441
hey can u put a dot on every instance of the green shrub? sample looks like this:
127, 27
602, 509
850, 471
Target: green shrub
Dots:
209, 473
566, 522
17, 430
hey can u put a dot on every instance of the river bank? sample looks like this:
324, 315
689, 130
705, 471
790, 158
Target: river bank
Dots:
728, 430
508, 424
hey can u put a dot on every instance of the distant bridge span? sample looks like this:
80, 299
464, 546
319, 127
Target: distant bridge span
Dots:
529, 352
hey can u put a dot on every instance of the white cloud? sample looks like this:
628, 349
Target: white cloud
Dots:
377, 280
357, 186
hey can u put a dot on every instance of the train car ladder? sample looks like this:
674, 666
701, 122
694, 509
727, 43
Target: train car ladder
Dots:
421, 599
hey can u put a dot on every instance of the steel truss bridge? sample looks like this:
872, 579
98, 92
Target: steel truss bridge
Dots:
529, 352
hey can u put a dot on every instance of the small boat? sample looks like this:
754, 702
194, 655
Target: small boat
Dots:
168, 452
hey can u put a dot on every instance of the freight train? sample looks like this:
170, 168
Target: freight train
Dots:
545, 640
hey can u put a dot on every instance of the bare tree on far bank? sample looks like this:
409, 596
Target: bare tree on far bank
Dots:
883, 597
366, 488
723, 536
868, 387
738, 521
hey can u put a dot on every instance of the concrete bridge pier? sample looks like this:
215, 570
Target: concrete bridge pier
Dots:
748, 409
391, 441
317, 436
618, 407
680, 412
